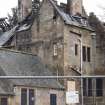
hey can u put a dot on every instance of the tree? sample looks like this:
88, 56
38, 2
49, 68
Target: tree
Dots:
99, 28
13, 18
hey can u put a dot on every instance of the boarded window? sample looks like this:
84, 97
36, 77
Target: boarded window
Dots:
88, 54
53, 99
76, 49
4, 101
89, 87
99, 87
24, 96
84, 53
31, 97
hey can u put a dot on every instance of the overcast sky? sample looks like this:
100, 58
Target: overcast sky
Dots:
90, 6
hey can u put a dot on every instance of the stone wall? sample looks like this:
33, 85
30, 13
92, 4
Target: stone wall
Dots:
47, 33
42, 96
72, 36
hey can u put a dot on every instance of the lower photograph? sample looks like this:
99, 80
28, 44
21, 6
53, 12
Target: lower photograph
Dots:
26, 80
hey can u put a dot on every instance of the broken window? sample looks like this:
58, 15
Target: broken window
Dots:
84, 53
76, 49
99, 87
53, 99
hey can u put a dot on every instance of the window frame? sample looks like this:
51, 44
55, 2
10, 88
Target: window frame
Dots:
90, 87
76, 49
5, 101
88, 54
28, 96
53, 99
23, 97
87, 88
84, 53
55, 49
98, 88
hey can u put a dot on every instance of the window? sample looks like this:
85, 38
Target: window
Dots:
4, 101
89, 87
23, 96
84, 53
99, 87
88, 54
76, 49
84, 87
55, 50
27, 96
53, 99
31, 97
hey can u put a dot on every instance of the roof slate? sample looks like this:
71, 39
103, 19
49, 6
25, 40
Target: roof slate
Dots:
20, 64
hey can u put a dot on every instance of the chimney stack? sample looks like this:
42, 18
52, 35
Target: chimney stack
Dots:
74, 7
25, 7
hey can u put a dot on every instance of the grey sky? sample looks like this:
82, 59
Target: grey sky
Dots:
90, 6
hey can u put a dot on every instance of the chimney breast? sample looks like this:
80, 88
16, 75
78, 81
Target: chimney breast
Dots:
25, 7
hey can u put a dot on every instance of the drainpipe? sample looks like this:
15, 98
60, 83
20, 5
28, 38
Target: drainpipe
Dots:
94, 55
81, 64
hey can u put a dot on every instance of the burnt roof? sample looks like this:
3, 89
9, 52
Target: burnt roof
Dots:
4, 25
26, 24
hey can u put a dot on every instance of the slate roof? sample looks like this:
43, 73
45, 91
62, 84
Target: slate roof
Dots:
6, 36
70, 19
14, 63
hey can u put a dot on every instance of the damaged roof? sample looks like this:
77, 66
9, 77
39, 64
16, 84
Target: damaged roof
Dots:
22, 26
78, 21
14, 63
28, 22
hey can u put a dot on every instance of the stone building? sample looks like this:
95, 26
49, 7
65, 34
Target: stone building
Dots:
61, 36
27, 91
54, 32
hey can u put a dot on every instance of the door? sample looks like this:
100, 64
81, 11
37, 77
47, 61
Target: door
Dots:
24, 96
31, 97
4, 101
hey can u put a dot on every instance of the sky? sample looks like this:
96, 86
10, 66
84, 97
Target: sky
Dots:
90, 6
